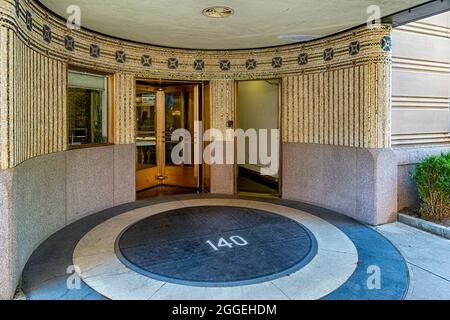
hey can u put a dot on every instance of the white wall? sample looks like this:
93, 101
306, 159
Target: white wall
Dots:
257, 107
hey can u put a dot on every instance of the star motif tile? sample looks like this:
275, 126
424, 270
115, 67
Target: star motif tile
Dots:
121, 56
354, 47
225, 65
328, 54
69, 43
29, 20
386, 43
199, 64
251, 64
146, 61
277, 62
172, 63
94, 51
302, 59
46, 33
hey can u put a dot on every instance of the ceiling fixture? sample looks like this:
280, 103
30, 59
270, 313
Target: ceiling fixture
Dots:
218, 12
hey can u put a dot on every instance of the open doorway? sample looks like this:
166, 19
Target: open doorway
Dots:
257, 105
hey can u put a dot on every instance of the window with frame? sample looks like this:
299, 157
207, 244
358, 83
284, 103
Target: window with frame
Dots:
87, 104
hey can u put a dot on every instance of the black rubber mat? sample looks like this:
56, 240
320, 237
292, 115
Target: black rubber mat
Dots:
216, 246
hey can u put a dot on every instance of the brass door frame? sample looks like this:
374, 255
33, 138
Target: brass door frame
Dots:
160, 162
164, 174
206, 120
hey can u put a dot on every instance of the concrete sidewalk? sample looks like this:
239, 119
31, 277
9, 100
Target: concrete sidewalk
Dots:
428, 259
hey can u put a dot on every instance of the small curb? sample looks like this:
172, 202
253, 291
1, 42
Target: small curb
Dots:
424, 225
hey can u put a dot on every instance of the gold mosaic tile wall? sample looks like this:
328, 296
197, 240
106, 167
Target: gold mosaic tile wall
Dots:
37, 49
345, 107
33, 104
5, 105
124, 108
222, 100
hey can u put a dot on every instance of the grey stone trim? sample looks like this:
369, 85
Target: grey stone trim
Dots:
407, 156
425, 225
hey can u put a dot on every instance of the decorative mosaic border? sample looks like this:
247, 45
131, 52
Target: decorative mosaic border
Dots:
33, 41
48, 35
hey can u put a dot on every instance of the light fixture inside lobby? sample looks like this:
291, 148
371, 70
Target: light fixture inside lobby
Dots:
218, 12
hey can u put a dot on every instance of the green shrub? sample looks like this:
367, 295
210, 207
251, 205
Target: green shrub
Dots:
432, 177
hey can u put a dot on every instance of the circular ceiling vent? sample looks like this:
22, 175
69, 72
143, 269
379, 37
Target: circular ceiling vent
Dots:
218, 12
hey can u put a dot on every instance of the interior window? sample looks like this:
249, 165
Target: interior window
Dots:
87, 108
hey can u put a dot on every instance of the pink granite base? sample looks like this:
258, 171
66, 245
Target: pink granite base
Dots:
360, 183
46, 193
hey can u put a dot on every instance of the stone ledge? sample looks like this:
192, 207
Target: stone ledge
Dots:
424, 225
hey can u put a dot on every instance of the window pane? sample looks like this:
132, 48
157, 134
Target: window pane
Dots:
87, 108
146, 130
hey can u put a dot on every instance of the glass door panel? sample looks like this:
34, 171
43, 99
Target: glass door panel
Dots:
159, 112
146, 140
146, 131
181, 112
173, 112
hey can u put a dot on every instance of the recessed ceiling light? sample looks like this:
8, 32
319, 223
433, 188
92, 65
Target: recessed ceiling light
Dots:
218, 12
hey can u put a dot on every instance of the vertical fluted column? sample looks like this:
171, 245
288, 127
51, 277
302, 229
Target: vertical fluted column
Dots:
124, 108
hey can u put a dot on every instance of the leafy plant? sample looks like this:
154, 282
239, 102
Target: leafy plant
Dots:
432, 177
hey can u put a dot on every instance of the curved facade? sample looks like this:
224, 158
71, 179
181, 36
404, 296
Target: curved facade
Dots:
37, 48
335, 105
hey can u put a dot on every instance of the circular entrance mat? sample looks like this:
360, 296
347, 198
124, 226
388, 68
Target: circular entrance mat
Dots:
216, 246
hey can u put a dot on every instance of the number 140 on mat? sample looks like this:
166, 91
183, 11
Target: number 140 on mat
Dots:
231, 243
